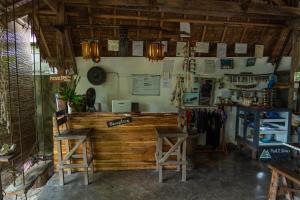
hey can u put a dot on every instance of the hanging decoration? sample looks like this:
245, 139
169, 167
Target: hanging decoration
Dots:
155, 51
91, 49
95, 51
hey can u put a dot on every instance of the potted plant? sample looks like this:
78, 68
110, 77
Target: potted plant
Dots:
68, 94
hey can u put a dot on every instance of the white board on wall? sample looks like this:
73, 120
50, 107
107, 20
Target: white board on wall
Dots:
137, 48
145, 84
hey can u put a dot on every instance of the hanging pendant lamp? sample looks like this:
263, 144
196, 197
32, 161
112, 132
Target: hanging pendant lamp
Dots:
95, 51
86, 49
155, 51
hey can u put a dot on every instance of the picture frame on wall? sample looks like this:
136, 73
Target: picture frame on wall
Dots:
207, 90
227, 63
250, 62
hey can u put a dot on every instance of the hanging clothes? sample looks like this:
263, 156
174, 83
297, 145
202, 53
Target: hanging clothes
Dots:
206, 121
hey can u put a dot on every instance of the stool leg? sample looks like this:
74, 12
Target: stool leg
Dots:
156, 154
178, 157
69, 171
86, 173
184, 161
60, 164
160, 172
273, 186
91, 154
288, 194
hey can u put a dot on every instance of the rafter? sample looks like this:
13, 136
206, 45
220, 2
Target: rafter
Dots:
194, 21
51, 4
280, 42
210, 8
42, 36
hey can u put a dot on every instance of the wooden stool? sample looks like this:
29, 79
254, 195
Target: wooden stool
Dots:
81, 137
178, 149
286, 175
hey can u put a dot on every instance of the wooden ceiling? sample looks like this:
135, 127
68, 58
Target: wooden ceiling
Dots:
61, 25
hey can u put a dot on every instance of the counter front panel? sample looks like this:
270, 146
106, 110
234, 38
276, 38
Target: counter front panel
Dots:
122, 147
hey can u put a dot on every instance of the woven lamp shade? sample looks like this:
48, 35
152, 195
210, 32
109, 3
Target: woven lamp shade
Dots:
155, 51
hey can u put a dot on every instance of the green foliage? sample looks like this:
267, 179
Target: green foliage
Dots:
68, 92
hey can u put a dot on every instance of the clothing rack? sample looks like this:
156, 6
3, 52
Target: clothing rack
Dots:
182, 116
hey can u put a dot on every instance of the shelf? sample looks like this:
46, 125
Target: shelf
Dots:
272, 132
273, 120
248, 74
270, 144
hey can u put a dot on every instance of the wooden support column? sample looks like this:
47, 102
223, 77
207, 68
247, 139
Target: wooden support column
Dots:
295, 66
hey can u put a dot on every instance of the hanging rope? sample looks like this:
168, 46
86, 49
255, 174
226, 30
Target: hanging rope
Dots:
18, 93
41, 89
34, 75
11, 130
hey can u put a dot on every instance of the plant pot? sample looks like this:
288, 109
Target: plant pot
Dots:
69, 107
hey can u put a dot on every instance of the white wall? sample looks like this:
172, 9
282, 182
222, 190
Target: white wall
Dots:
120, 69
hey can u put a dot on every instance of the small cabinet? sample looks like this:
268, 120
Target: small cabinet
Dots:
264, 130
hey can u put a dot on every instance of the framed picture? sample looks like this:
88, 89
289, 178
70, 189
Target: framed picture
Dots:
250, 62
227, 63
207, 91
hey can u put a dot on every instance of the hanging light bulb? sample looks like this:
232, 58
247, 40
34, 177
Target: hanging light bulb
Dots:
86, 49
95, 51
155, 51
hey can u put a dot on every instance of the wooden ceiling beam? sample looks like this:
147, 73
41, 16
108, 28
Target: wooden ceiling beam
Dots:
42, 36
280, 43
210, 8
52, 4
70, 47
224, 31
193, 21
204, 30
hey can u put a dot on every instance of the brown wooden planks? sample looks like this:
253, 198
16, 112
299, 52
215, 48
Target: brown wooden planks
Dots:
125, 147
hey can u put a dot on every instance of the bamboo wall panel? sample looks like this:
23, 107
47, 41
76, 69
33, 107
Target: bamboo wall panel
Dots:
20, 92
124, 147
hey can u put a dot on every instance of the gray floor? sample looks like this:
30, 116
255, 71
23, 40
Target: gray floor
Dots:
216, 177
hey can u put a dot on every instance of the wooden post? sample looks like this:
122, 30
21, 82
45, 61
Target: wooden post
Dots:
273, 186
294, 67
184, 160
85, 160
60, 169
160, 149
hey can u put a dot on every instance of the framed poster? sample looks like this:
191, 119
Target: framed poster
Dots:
221, 50
180, 48
259, 51
137, 48
202, 47
240, 48
113, 45
146, 84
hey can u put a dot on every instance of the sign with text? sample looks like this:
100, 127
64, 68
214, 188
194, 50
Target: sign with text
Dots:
274, 153
118, 122
60, 79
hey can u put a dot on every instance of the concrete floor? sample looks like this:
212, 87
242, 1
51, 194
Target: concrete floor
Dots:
216, 177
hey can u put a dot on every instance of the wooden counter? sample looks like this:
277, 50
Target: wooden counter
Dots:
123, 147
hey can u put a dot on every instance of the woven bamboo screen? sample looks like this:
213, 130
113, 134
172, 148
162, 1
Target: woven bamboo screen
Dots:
17, 85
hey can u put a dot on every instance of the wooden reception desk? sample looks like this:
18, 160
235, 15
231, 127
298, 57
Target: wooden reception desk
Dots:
122, 147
